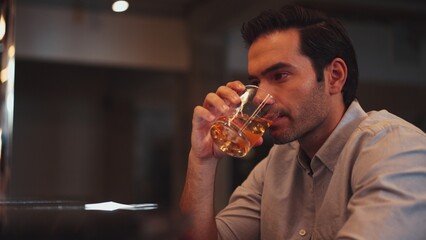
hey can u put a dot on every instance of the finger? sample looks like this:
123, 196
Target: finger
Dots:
202, 116
215, 104
258, 142
229, 96
237, 86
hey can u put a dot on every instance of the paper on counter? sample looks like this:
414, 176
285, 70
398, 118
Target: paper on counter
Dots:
112, 206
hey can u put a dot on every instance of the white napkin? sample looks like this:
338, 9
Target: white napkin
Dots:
111, 206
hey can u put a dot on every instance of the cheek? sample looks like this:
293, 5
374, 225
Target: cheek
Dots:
311, 99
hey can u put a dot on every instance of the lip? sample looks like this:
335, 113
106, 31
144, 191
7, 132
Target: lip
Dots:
279, 121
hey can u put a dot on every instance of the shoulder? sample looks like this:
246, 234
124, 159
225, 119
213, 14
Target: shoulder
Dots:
383, 132
385, 122
384, 144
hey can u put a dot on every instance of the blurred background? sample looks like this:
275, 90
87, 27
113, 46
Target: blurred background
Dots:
103, 100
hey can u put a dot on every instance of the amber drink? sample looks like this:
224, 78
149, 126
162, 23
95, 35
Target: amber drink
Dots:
236, 134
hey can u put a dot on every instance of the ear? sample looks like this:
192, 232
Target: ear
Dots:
335, 75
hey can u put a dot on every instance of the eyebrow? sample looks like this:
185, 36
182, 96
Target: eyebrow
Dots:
272, 68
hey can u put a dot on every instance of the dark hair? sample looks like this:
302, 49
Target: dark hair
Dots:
322, 39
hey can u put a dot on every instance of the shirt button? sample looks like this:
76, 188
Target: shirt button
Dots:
302, 232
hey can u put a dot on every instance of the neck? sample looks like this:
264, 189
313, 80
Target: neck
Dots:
312, 141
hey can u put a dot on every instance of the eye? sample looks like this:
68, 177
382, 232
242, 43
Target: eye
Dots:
254, 81
280, 76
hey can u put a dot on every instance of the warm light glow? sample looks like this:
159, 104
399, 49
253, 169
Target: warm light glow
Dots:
4, 74
2, 27
120, 6
11, 51
8, 71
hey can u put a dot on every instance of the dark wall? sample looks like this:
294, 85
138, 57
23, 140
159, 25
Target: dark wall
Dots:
408, 101
95, 132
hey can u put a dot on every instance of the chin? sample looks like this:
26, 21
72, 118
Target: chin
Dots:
281, 137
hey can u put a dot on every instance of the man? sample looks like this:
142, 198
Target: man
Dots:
335, 172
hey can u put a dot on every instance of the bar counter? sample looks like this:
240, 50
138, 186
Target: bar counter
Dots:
72, 220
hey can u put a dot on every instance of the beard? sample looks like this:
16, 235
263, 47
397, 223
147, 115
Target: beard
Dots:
308, 115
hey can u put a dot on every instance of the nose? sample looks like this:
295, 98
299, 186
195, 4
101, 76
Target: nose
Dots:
264, 88
263, 98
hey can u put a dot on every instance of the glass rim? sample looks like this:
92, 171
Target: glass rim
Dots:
252, 86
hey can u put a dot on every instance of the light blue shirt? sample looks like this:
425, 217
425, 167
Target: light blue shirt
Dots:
368, 181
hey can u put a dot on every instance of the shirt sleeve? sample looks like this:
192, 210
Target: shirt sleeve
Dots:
389, 186
241, 217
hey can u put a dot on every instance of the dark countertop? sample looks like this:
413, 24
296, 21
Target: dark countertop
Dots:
69, 220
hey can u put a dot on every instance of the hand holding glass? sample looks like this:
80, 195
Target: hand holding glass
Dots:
236, 133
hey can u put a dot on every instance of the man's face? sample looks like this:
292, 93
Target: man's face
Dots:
276, 64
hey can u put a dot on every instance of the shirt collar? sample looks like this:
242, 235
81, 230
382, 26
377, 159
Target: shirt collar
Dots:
334, 144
